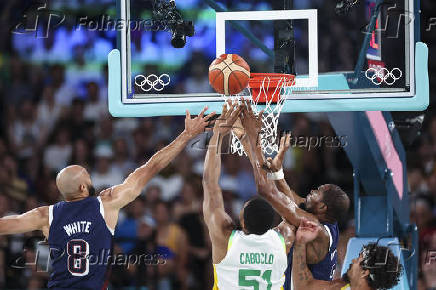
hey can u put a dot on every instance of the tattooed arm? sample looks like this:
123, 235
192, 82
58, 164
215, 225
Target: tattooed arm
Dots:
302, 278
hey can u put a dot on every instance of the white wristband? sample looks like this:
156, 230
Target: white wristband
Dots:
276, 175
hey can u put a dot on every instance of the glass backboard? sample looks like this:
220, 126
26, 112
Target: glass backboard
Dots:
367, 59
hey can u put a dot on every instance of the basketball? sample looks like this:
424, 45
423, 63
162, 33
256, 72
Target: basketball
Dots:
229, 74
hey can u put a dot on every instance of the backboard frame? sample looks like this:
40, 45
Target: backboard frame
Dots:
123, 103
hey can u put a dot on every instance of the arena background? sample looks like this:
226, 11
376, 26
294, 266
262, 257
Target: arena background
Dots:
53, 113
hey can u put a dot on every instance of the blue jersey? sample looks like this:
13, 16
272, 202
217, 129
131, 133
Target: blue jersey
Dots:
80, 245
325, 269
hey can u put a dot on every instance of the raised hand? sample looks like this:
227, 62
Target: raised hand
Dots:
307, 232
197, 125
229, 115
276, 164
238, 129
252, 123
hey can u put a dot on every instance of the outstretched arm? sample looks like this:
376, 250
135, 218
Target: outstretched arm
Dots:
213, 199
36, 219
121, 195
282, 203
275, 165
217, 220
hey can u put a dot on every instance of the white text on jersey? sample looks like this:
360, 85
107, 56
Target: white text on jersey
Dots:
77, 227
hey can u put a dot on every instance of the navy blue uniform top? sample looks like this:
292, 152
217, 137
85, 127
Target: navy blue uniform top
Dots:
325, 269
80, 244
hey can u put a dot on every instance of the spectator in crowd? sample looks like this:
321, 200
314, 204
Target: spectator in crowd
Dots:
104, 175
172, 244
24, 132
416, 181
15, 187
122, 157
81, 154
94, 107
153, 194
127, 228
64, 93
242, 179
48, 110
188, 211
58, 154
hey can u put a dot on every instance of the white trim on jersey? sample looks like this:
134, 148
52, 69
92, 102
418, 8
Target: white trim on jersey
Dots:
102, 214
50, 214
330, 236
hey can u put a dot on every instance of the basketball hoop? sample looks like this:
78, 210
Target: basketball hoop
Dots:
266, 90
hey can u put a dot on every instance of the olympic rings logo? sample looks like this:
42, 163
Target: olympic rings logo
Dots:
152, 82
383, 75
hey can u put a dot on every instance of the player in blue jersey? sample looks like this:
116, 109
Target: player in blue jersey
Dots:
80, 229
325, 205
364, 273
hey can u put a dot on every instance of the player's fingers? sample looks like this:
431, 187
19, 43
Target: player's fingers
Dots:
269, 161
288, 140
236, 112
229, 104
210, 124
249, 109
245, 109
282, 143
245, 105
302, 222
232, 107
228, 112
223, 113
209, 116
310, 224
202, 112
188, 115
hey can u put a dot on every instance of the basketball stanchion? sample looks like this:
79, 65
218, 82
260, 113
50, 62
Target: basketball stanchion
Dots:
267, 92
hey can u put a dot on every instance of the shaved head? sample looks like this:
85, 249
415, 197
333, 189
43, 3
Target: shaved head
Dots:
73, 182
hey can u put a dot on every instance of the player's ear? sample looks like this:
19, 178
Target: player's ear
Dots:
82, 187
241, 218
322, 207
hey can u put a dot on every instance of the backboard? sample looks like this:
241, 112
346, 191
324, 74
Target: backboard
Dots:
367, 59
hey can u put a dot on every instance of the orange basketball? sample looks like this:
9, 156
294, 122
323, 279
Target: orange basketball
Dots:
229, 74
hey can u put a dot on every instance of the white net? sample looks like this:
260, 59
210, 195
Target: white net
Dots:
270, 96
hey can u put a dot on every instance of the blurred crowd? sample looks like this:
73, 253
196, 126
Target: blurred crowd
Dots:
54, 113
